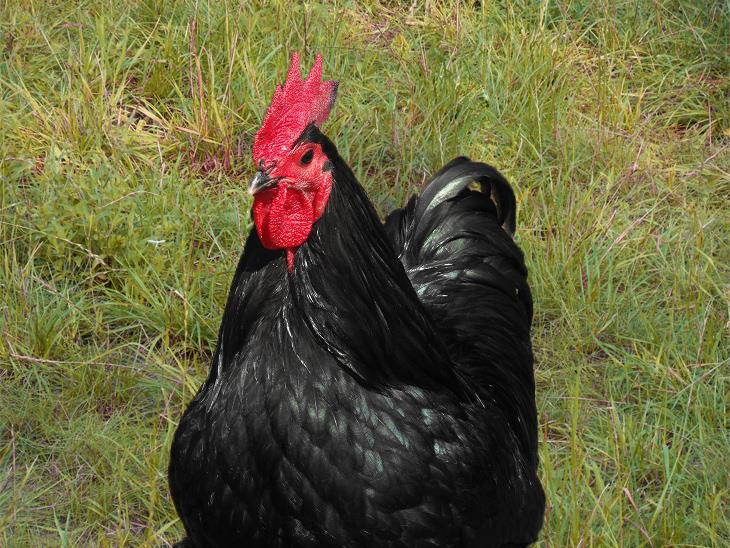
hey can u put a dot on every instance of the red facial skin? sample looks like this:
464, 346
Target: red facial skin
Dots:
285, 213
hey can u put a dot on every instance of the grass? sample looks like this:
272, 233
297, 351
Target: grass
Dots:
124, 157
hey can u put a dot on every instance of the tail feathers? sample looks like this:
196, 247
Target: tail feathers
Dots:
452, 235
457, 175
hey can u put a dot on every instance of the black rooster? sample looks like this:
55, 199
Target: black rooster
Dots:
372, 384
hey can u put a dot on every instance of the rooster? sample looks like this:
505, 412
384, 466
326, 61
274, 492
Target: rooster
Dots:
372, 384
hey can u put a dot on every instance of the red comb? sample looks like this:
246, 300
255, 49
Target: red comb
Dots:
295, 105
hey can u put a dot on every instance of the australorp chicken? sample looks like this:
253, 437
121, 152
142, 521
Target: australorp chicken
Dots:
372, 384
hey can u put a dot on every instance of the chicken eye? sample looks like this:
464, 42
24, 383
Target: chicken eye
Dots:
307, 157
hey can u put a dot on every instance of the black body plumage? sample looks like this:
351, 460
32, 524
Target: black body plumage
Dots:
380, 394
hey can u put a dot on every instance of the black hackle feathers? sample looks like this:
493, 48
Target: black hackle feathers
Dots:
380, 394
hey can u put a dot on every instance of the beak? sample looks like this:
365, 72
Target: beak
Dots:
261, 182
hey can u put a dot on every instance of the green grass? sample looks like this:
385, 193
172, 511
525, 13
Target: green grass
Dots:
125, 136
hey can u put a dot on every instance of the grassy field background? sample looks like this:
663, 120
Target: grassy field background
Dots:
125, 132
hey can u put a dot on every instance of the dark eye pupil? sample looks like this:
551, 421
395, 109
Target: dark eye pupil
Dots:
308, 156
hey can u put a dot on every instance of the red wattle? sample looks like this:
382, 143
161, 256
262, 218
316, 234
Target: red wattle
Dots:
283, 216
